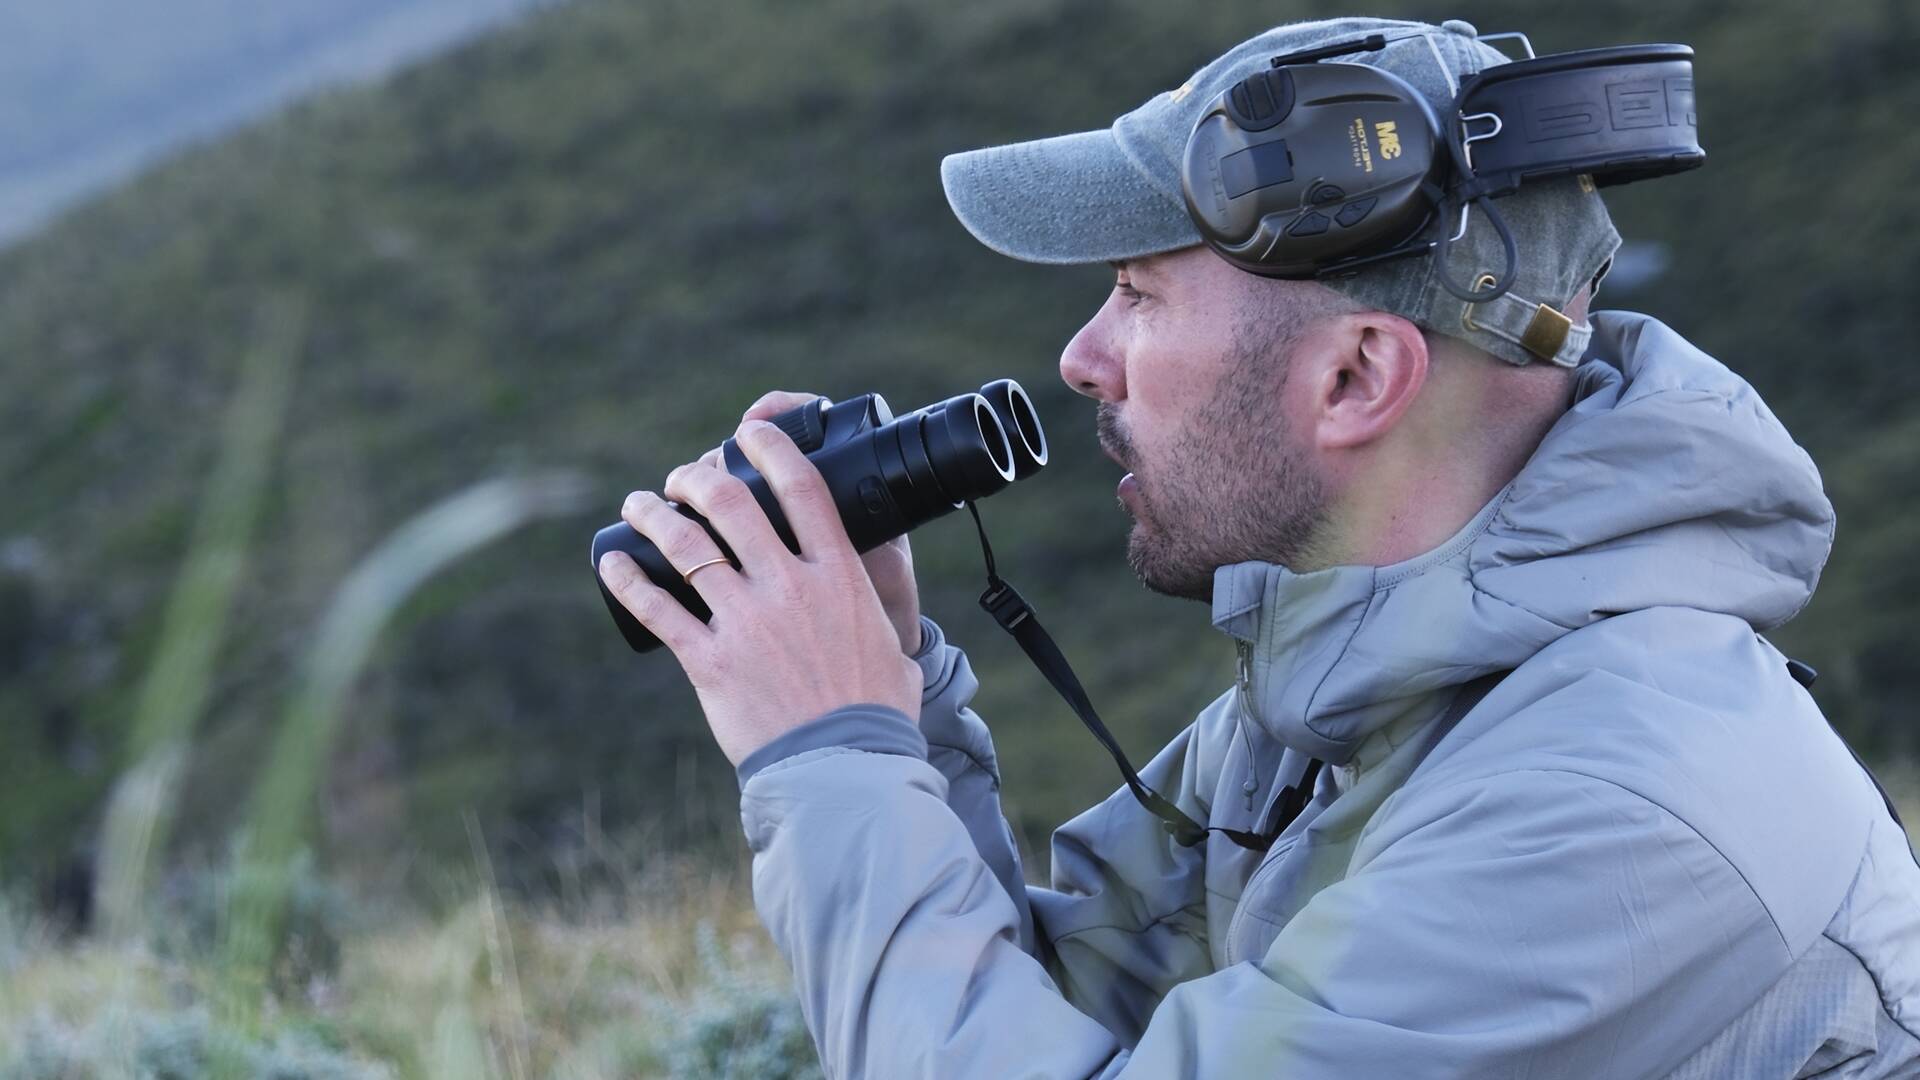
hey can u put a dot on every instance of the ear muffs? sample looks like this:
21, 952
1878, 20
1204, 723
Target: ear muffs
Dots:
1297, 170
1310, 169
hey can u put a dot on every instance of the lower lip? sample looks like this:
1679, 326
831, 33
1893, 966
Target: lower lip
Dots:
1128, 486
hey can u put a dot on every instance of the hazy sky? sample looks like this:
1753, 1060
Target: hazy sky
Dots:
93, 90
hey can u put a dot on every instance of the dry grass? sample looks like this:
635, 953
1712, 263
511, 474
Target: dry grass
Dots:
667, 974
588, 993
659, 972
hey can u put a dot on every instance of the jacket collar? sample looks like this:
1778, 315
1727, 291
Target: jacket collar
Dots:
1338, 654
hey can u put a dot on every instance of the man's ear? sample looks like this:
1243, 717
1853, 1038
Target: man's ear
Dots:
1367, 380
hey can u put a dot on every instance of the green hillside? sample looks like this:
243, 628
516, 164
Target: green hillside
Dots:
592, 239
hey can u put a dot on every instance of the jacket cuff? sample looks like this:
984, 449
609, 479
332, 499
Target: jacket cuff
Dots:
947, 686
875, 729
934, 668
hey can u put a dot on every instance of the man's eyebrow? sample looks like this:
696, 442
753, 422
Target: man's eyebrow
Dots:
1119, 265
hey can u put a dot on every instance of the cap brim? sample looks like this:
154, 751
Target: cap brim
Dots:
1068, 199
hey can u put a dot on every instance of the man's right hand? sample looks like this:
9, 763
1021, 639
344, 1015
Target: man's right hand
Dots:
889, 566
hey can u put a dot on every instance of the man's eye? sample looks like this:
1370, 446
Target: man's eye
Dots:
1132, 294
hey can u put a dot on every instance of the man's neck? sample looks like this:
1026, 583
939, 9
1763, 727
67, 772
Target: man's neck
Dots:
1392, 518
1412, 499
1477, 425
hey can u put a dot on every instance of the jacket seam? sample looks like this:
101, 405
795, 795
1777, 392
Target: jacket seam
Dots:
818, 752
1373, 599
1448, 552
1656, 804
1199, 905
1833, 522
1239, 611
969, 755
1879, 992
1473, 580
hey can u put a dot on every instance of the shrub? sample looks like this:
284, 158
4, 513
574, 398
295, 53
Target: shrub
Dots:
739, 1024
166, 1046
319, 916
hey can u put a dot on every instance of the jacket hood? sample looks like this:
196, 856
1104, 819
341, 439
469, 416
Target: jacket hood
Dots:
1667, 483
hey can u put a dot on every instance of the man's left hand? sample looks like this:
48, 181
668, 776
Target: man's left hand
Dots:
793, 637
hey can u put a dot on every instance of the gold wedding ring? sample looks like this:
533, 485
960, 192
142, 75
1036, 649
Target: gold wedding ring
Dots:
687, 575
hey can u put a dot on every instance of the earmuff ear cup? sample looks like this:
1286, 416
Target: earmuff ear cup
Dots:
1299, 169
1618, 115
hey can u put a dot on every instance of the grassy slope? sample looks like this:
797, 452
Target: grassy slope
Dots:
591, 240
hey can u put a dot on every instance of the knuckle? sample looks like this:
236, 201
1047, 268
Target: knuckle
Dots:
680, 539
792, 471
644, 603
805, 479
673, 533
687, 483
641, 601
790, 591
634, 508
760, 433
729, 496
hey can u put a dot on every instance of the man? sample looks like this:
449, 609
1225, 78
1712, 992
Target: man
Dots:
1576, 819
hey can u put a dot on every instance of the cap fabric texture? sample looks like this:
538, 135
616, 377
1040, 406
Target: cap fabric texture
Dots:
1111, 194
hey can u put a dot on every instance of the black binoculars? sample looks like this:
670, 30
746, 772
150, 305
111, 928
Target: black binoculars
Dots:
887, 476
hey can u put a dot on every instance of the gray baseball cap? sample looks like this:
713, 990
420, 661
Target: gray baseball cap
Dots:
1114, 193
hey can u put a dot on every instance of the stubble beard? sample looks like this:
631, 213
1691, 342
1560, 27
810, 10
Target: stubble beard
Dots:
1231, 488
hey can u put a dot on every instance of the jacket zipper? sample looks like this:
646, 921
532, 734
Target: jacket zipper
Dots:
1244, 680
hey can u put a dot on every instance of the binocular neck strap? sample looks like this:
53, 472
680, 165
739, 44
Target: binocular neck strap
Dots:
1017, 618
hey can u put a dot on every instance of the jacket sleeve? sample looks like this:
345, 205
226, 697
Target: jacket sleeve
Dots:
959, 745
1538, 924
1124, 920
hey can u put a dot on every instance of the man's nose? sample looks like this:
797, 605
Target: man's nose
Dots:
1090, 364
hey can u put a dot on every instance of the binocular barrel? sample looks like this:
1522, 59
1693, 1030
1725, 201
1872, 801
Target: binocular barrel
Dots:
887, 476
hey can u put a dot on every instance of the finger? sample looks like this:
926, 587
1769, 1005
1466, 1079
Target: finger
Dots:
774, 403
732, 511
712, 458
653, 606
798, 486
684, 543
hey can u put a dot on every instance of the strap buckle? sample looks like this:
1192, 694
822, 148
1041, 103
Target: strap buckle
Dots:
1007, 607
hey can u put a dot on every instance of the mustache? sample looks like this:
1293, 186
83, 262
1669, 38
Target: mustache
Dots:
1113, 438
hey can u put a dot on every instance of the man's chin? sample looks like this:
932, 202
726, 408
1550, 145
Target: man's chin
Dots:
1163, 575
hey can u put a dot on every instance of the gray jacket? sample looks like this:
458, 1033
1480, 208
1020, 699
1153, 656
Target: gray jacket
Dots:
1644, 853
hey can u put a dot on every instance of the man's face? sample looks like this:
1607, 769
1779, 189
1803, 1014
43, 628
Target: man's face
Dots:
1187, 359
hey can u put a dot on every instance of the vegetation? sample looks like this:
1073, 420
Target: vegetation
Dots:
665, 973
587, 243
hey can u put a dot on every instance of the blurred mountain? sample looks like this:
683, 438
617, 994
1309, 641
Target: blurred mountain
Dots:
593, 238
92, 89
